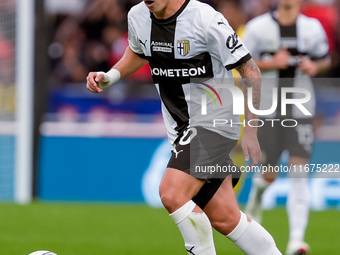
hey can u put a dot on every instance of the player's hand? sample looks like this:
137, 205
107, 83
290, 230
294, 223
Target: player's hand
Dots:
281, 59
250, 146
93, 80
308, 67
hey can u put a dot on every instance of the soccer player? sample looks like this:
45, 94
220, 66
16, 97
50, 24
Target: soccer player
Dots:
289, 48
182, 40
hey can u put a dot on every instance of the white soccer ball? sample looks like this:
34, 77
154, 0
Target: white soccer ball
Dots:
42, 253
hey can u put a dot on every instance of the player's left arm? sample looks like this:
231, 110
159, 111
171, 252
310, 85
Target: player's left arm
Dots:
225, 45
320, 61
312, 68
251, 77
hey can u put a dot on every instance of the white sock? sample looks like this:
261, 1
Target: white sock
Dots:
195, 229
252, 238
298, 209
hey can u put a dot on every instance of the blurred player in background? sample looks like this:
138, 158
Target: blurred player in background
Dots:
289, 48
181, 40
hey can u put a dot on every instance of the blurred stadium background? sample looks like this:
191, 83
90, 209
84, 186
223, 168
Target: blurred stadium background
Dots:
79, 172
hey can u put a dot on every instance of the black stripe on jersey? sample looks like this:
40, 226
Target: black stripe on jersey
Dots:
174, 100
286, 76
289, 32
163, 57
171, 88
238, 63
170, 73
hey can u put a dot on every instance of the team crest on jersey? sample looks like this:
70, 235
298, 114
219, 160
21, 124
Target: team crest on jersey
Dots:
183, 47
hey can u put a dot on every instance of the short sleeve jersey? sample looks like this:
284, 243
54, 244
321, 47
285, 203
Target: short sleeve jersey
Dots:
264, 36
195, 43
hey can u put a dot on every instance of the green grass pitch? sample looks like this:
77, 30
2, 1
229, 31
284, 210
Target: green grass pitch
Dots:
92, 229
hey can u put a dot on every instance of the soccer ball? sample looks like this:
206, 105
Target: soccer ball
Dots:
42, 253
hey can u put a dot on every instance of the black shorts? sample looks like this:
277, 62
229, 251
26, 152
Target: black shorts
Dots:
204, 154
274, 140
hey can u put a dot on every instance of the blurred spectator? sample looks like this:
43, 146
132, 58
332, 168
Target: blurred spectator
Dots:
7, 55
7, 39
327, 16
94, 20
71, 7
233, 11
7, 90
67, 51
6, 61
255, 8
94, 40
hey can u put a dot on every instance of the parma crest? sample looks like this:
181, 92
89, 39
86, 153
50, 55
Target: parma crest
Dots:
183, 47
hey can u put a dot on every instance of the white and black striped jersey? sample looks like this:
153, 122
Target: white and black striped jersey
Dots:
264, 36
196, 42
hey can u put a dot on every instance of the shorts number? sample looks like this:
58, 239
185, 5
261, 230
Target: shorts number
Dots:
186, 138
305, 136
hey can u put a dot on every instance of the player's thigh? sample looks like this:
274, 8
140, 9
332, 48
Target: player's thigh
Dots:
195, 152
216, 165
222, 209
177, 188
180, 183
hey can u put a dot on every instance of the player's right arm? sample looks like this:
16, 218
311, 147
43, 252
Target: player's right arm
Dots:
251, 77
224, 44
127, 65
254, 42
280, 60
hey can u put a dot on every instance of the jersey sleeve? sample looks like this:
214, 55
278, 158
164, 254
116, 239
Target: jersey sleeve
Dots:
320, 45
251, 41
224, 44
133, 39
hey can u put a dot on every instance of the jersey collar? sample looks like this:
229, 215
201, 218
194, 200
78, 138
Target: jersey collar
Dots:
173, 17
274, 16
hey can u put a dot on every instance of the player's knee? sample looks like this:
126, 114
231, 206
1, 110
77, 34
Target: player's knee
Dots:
170, 201
269, 180
226, 225
166, 199
170, 198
